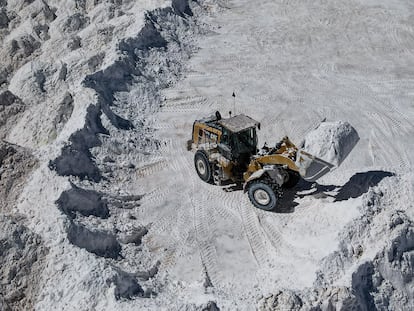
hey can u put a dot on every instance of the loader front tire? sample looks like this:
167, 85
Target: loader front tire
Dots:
203, 167
263, 195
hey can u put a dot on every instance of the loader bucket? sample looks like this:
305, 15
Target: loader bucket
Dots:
325, 148
312, 168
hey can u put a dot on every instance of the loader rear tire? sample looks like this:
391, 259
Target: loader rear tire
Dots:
203, 166
263, 194
293, 179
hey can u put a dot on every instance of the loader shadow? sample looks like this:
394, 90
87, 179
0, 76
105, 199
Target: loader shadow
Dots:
356, 186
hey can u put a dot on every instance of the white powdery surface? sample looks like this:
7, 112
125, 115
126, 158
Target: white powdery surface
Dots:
289, 69
331, 141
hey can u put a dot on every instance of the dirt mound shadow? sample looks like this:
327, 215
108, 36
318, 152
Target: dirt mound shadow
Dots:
85, 202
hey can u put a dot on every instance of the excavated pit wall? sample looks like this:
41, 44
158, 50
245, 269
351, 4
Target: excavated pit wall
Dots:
22, 255
22, 252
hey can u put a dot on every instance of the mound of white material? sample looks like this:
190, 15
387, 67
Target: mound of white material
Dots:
331, 141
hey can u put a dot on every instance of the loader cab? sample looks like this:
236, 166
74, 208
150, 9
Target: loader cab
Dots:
235, 137
238, 141
244, 142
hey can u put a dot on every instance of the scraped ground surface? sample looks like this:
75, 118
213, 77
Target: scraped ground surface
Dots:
152, 231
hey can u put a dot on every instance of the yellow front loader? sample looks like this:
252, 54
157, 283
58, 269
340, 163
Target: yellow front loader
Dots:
226, 152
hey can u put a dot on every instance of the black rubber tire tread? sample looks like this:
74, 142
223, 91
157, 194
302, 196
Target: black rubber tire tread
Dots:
266, 184
293, 180
208, 176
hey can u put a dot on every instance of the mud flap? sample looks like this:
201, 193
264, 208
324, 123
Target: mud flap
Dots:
189, 144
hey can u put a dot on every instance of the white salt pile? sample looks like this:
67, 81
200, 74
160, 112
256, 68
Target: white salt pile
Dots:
331, 141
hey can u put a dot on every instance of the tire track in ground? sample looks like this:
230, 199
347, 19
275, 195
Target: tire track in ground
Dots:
184, 104
272, 234
225, 210
384, 112
396, 34
179, 160
395, 87
204, 215
156, 196
185, 107
385, 108
373, 148
159, 196
386, 128
182, 168
385, 125
208, 253
172, 239
399, 119
392, 158
270, 224
184, 217
254, 234
177, 101
151, 168
203, 222
172, 225
164, 126
176, 222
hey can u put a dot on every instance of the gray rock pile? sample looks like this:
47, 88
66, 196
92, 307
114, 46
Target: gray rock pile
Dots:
21, 258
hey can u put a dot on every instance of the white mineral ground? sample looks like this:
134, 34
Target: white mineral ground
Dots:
139, 230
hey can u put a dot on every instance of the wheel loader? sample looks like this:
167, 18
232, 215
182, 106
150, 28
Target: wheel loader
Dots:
226, 153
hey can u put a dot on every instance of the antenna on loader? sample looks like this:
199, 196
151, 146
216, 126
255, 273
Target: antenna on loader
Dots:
234, 101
